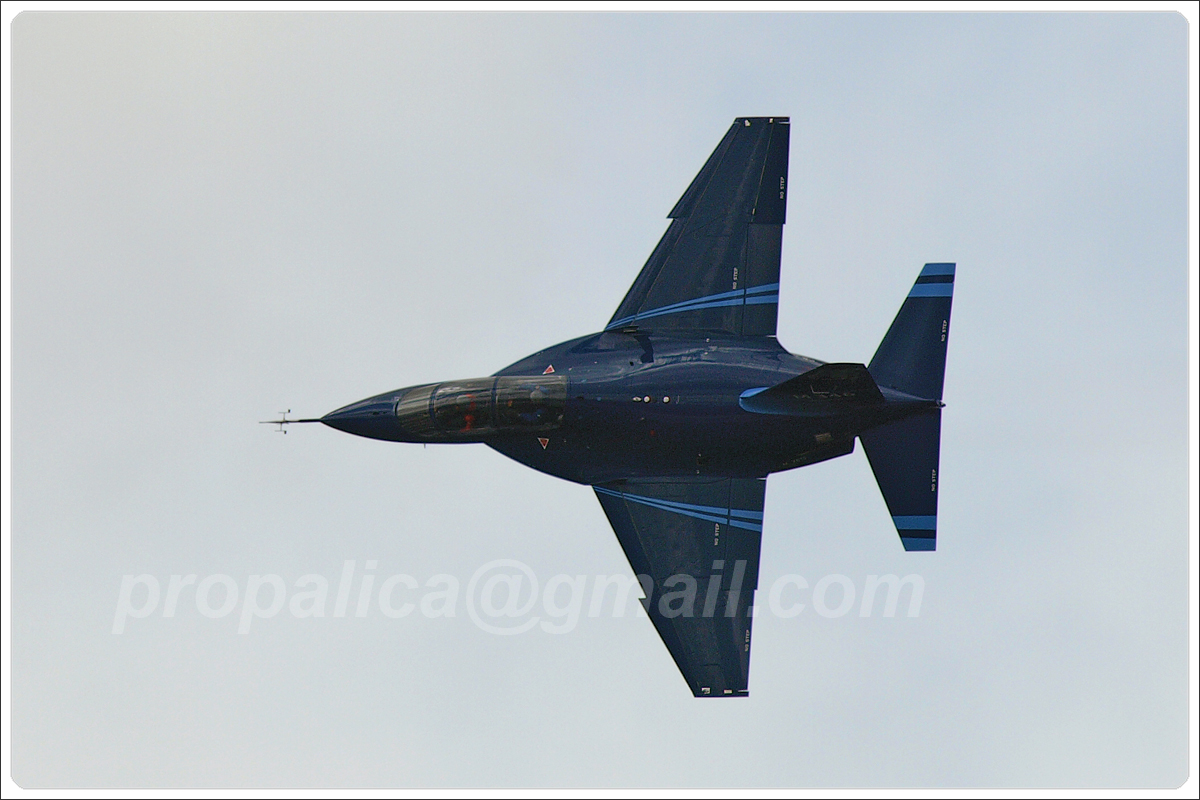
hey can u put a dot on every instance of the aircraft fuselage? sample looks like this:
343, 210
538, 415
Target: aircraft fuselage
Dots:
619, 405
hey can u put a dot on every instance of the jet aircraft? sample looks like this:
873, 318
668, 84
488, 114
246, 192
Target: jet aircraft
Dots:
678, 410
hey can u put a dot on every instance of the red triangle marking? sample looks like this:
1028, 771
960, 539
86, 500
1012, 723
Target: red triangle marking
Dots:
543, 442
548, 370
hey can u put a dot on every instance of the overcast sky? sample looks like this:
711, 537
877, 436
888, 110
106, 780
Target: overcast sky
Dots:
220, 216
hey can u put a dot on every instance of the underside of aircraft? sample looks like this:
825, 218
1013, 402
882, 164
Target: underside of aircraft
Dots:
682, 405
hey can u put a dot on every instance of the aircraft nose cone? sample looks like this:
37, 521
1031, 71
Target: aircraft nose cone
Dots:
374, 418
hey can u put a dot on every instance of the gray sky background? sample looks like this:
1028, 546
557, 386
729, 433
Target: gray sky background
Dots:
218, 216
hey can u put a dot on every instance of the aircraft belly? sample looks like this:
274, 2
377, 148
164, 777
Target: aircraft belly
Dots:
605, 441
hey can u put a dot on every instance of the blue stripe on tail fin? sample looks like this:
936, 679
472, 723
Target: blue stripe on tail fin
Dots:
912, 356
904, 458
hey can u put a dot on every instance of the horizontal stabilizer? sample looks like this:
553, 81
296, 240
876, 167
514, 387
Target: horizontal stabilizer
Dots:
904, 458
812, 391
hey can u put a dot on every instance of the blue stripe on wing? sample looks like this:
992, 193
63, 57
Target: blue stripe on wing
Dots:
754, 296
734, 517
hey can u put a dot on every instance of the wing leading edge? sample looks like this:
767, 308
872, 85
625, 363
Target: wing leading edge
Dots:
695, 546
717, 266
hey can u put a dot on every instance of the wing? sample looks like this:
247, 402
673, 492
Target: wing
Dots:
694, 546
717, 266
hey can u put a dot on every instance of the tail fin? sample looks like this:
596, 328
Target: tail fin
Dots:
912, 359
912, 356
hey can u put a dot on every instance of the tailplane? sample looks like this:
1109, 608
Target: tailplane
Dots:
904, 458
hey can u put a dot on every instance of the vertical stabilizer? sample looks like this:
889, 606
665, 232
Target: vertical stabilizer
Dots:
912, 359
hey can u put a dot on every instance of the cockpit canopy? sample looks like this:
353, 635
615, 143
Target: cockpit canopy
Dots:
477, 407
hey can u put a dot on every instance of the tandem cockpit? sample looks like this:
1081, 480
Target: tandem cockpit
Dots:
458, 411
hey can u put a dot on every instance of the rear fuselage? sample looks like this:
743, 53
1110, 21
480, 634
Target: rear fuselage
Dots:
615, 405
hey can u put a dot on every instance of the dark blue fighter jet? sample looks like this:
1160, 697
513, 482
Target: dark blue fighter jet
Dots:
681, 407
